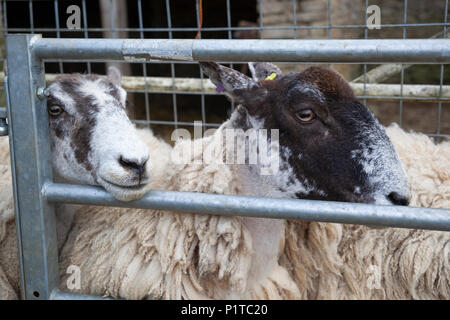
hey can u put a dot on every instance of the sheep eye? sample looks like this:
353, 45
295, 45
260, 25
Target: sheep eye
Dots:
305, 115
55, 110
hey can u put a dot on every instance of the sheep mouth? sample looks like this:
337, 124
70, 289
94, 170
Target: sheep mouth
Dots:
136, 187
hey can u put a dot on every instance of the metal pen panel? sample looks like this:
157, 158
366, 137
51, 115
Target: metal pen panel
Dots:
30, 161
287, 51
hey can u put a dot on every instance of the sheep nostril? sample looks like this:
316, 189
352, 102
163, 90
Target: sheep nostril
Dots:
135, 166
398, 199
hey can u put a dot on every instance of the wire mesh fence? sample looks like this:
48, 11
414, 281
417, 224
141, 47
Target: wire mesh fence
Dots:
165, 95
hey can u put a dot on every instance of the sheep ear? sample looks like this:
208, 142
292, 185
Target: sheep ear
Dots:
262, 70
228, 80
114, 76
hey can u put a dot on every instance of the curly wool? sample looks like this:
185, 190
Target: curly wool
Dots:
9, 260
335, 261
138, 254
171, 255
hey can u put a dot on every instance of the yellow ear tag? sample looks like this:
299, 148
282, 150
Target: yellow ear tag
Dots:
272, 76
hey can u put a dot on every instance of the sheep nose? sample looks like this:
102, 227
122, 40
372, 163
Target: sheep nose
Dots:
136, 166
398, 199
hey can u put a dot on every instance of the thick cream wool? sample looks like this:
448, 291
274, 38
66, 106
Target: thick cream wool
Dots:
9, 260
138, 254
143, 254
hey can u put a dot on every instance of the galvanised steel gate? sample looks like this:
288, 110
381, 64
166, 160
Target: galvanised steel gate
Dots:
35, 193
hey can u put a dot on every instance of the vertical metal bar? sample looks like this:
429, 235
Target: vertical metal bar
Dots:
144, 66
329, 24
5, 26
329, 19
365, 65
172, 66
85, 25
230, 36
202, 96
441, 79
111, 15
294, 18
229, 19
30, 155
197, 13
30, 10
294, 8
260, 4
5, 19
441, 83
402, 73
58, 33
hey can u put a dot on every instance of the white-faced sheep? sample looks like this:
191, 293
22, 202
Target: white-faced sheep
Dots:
331, 147
92, 142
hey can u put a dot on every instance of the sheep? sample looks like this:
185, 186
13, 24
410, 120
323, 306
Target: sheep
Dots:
92, 142
138, 254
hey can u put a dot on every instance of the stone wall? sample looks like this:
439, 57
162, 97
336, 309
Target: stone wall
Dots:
312, 13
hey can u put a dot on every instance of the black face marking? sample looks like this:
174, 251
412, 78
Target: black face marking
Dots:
321, 151
81, 142
57, 124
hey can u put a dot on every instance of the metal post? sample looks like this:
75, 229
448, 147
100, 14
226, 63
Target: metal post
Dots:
30, 161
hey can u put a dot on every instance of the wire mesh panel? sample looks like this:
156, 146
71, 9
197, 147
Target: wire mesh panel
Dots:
415, 96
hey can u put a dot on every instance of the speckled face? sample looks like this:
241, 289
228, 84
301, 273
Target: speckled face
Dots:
92, 139
331, 146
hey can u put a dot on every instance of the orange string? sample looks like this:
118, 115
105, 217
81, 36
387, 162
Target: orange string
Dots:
200, 11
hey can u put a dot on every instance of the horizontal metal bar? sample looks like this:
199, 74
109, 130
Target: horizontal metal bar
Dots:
195, 62
230, 205
78, 49
425, 51
378, 91
210, 29
438, 135
61, 295
366, 50
172, 123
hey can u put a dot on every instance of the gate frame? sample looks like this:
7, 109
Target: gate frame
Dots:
31, 169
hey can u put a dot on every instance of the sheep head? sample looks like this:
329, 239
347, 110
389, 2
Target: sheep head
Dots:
92, 139
331, 146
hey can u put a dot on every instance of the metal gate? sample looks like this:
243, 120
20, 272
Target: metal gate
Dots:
35, 193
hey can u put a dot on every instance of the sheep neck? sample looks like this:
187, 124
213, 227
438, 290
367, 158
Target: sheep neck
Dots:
267, 234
